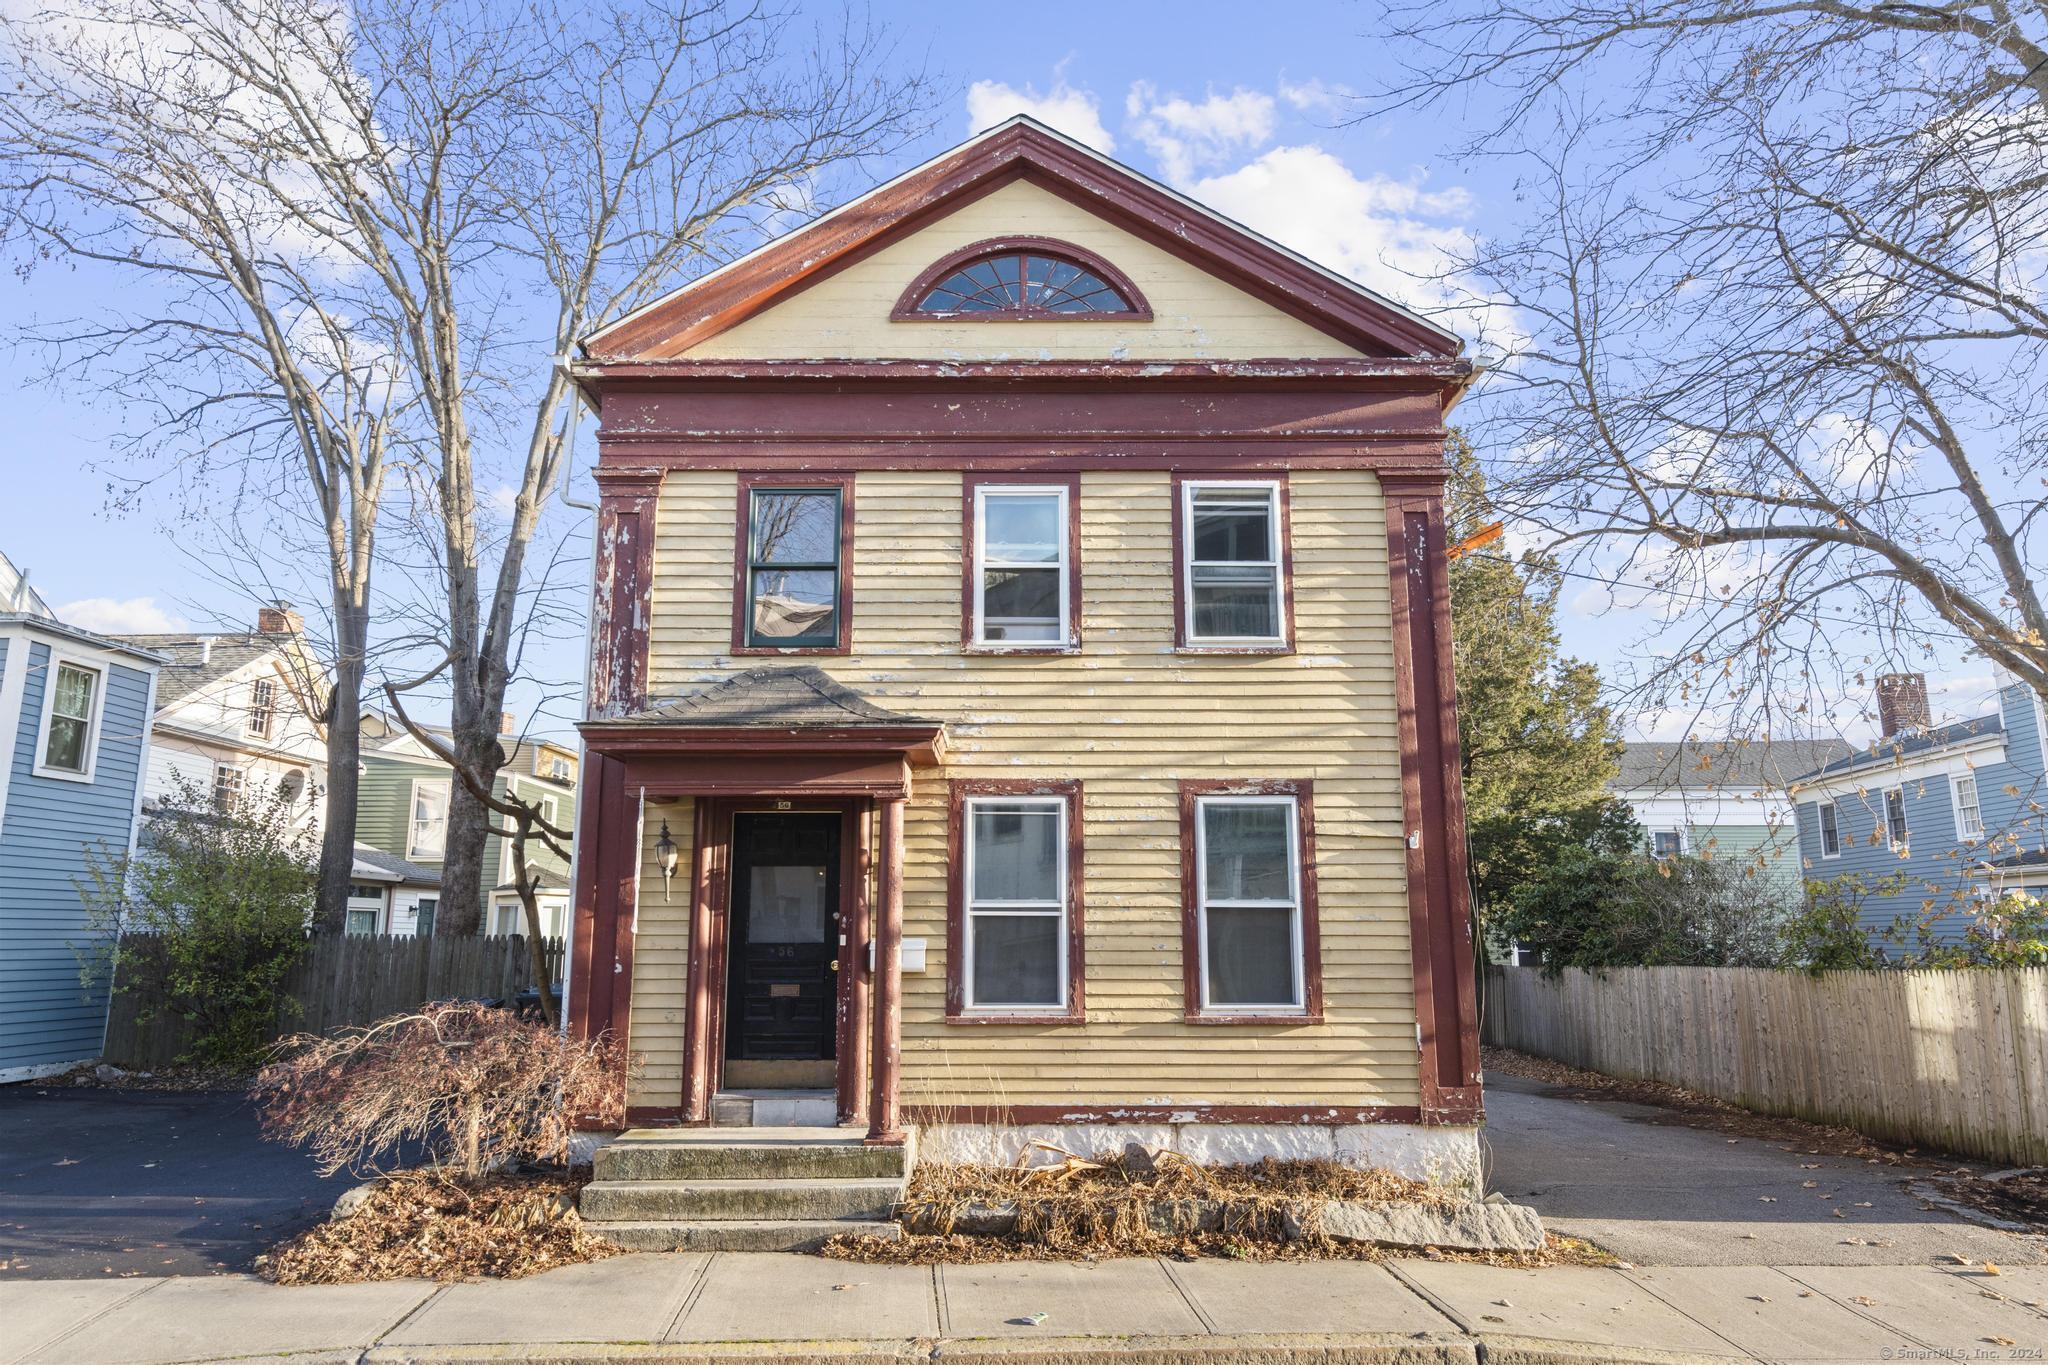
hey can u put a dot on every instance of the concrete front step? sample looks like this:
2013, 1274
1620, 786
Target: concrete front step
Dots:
752, 1154
740, 1234
726, 1200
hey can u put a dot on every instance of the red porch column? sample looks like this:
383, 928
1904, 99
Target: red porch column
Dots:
886, 1072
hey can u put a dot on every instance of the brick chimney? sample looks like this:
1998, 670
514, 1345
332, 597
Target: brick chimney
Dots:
279, 619
508, 723
1901, 702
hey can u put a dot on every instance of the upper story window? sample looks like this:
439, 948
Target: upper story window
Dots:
1969, 814
429, 826
227, 788
1027, 278
1895, 828
794, 554
70, 721
1022, 580
262, 707
1667, 843
1231, 576
1830, 831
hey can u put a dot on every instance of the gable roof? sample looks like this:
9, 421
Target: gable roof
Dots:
775, 698
375, 865
1022, 147
1730, 767
194, 663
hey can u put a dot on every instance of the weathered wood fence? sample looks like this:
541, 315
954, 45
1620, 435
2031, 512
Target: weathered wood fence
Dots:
1954, 1060
356, 979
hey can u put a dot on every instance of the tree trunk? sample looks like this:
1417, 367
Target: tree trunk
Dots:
462, 864
344, 754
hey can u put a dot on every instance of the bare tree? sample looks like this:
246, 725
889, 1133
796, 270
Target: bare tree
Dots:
1783, 290
539, 177
471, 189
237, 340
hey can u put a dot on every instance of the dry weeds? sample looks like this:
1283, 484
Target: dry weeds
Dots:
1111, 1205
432, 1226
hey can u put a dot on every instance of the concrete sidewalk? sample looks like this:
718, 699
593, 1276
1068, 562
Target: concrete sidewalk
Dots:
694, 1306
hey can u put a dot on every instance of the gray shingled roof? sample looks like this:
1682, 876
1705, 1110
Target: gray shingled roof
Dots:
193, 666
778, 698
551, 879
1898, 746
1730, 766
375, 865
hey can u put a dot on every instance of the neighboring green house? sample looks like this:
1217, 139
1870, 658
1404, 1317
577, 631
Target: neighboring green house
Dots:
1724, 799
402, 811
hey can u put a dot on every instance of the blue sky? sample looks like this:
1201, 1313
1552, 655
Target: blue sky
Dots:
1241, 107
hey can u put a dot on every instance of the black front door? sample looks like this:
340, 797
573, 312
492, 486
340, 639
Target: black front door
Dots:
782, 991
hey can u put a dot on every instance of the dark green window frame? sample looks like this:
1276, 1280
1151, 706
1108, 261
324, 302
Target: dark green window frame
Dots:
828, 636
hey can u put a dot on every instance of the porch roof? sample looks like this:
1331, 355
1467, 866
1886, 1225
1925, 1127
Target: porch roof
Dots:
793, 725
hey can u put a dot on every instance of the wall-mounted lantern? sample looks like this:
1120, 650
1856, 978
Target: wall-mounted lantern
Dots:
665, 853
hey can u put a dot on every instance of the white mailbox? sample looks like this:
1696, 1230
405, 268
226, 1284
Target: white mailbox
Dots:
913, 954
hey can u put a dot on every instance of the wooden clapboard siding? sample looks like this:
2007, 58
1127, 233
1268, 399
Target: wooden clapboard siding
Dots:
846, 315
1130, 718
1948, 1059
661, 959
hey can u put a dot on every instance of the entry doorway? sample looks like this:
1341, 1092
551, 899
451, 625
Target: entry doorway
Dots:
782, 945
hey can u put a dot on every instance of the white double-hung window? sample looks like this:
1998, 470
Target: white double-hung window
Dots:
1016, 903
1969, 814
429, 828
71, 717
1830, 831
1231, 588
1249, 904
1021, 570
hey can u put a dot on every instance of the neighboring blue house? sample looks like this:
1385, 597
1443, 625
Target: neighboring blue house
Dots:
74, 733
1930, 818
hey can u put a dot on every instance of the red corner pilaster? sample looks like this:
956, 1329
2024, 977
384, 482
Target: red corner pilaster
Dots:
602, 954
620, 605
1433, 801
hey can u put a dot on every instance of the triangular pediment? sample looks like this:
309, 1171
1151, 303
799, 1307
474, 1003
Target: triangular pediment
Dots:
1215, 289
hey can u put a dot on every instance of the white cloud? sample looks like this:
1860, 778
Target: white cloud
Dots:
504, 499
1187, 137
119, 616
1076, 113
1399, 237
1315, 95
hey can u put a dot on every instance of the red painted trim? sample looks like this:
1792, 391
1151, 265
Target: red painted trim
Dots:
906, 309
1439, 912
726, 297
1303, 792
857, 929
620, 609
625, 738
602, 954
1239, 459
1292, 371
960, 791
1182, 641
970, 553
698, 988
749, 481
1327, 1116
885, 1125
655, 1116
587, 1017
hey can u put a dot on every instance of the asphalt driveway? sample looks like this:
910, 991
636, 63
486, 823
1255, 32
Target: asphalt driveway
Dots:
1657, 1193
106, 1183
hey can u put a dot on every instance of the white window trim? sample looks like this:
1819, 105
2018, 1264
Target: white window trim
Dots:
1186, 568
412, 850
1063, 533
1820, 828
1683, 843
1955, 798
971, 907
1293, 804
1885, 815
101, 675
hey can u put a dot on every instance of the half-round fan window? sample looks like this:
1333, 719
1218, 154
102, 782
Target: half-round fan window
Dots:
1022, 279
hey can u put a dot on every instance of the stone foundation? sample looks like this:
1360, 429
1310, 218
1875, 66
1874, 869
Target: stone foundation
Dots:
1443, 1155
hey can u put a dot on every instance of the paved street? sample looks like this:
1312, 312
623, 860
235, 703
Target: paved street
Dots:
1663, 1194
105, 1183
698, 1306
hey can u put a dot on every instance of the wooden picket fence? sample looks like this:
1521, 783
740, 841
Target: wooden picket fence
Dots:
1954, 1060
341, 981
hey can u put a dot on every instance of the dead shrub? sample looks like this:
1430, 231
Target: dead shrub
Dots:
474, 1087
